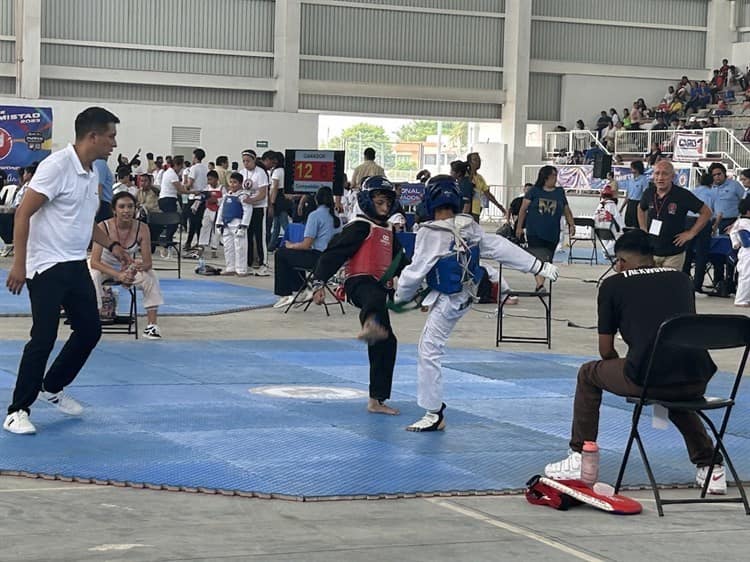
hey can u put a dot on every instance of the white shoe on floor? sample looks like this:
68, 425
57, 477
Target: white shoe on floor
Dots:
62, 402
304, 296
262, 271
718, 484
431, 421
152, 332
567, 469
19, 423
283, 302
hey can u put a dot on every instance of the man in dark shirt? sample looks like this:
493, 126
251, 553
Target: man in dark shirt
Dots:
662, 213
635, 302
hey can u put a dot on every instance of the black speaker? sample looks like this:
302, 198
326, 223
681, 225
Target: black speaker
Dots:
602, 165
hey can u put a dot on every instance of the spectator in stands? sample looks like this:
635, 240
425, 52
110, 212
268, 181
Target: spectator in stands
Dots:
724, 69
635, 302
660, 125
627, 122
728, 194
654, 154
676, 108
602, 123
543, 207
614, 116
634, 188
580, 125
670, 95
697, 248
716, 84
367, 168
135, 238
723, 110
662, 212
609, 134
482, 191
636, 117
684, 88
320, 227
460, 173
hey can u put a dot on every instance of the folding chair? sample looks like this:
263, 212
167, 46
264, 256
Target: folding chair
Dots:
694, 331
604, 235
584, 233
307, 276
165, 220
123, 324
545, 298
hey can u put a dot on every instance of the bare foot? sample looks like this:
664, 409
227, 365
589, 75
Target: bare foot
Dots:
378, 407
372, 332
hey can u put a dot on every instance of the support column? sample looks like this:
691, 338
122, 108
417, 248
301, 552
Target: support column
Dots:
286, 55
516, 66
719, 36
28, 48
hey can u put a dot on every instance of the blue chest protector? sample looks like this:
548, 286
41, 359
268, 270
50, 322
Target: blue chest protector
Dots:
231, 210
453, 271
744, 238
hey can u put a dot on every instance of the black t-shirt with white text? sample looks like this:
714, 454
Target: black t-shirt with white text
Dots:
671, 211
636, 302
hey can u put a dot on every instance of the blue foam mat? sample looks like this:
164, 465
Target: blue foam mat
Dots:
182, 297
170, 414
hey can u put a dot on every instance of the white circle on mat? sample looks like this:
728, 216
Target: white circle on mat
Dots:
310, 392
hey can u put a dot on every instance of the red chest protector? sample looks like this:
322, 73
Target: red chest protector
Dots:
214, 206
374, 255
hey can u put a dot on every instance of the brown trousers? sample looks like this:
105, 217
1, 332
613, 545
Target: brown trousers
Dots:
609, 375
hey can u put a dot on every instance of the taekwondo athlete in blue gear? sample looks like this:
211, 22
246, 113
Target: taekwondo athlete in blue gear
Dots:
446, 255
233, 218
373, 256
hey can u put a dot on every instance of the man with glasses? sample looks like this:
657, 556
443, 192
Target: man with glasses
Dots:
662, 211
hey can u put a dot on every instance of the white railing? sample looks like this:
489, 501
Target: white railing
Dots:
718, 142
639, 142
570, 141
722, 142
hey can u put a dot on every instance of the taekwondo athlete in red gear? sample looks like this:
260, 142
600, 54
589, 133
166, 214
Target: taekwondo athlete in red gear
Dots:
446, 254
373, 256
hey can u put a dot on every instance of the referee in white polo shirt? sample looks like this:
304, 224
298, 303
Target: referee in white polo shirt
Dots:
53, 228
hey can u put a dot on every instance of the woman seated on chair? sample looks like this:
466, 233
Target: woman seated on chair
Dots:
320, 227
134, 236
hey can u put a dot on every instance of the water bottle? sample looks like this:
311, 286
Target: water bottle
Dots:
201, 264
590, 462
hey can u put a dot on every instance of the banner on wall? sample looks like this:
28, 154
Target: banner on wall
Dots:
581, 178
25, 137
411, 194
688, 147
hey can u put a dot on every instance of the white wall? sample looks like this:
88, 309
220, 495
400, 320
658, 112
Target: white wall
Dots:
584, 97
223, 131
740, 56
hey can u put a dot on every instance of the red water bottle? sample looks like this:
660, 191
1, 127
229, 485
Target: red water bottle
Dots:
590, 462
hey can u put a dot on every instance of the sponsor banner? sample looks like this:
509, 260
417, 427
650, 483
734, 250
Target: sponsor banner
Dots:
25, 137
688, 147
411, 194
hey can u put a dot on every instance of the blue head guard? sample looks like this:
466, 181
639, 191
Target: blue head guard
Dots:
371, 186
442, 191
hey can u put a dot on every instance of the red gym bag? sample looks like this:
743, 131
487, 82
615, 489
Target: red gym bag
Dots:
564, 494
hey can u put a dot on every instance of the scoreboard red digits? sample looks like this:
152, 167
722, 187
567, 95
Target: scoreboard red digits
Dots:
313, 171
306, 171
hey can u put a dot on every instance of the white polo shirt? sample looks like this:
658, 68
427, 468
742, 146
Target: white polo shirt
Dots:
253, 181
61, 229
167, 184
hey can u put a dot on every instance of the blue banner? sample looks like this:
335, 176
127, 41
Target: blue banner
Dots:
411, 194
25, 138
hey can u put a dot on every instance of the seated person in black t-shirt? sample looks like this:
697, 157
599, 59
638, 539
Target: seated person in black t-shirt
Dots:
635, 302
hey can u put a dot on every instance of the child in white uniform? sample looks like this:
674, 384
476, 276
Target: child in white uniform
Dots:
232, 220
607, 216
740, 235
446, 254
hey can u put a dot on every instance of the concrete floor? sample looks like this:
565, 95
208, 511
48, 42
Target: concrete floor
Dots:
52, 520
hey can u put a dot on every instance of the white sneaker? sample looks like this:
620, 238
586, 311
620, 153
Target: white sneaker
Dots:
62, 402
718, 484
18, 422
304, 296
566, 469
431, 421
283, 302
152, 332
262, 271
700, 295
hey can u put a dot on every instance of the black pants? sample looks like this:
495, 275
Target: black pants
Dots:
194, 221
105, 211
169, 205
631, 213
723, 268
287, 281
6, 227
68, 284
697, 249
370, 297
257, 237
